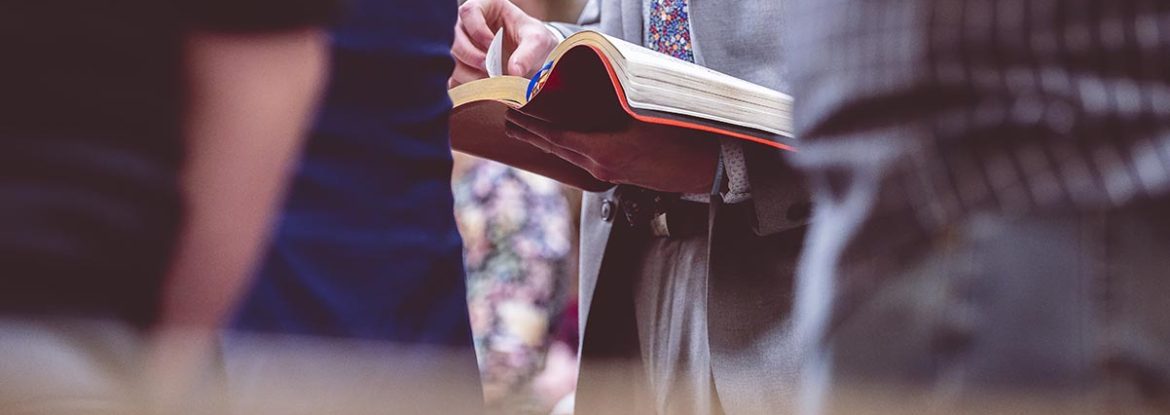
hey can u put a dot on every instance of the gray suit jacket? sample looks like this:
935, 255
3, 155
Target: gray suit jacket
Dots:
752, 256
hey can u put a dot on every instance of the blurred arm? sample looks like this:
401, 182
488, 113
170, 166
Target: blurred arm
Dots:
252, 98
251, 101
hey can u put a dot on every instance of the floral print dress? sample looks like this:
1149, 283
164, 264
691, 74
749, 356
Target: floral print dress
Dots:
516, 228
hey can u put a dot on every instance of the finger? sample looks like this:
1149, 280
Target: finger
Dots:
520, 133
465, 52
545, 129
532, 50
526, 120
464, 74
474, 17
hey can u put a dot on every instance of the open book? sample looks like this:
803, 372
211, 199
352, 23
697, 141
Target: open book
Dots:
595, 82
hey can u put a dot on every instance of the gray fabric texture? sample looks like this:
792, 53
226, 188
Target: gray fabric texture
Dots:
670, 308
966, 105
984, 231
673, 317
1056, 313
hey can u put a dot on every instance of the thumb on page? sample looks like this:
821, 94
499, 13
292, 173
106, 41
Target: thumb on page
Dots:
529, 55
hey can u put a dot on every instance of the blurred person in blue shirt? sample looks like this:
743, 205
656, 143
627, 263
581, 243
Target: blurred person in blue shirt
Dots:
127, 227
367, 254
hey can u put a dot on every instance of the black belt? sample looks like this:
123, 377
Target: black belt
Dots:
661, 214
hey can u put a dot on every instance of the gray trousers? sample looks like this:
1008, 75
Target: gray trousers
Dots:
645, 348
670, 308
1056, 312
681, 325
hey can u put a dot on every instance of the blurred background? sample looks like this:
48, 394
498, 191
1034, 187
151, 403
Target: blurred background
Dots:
520, 235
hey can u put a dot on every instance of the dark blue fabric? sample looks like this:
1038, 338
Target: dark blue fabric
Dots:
91, 147
367, 246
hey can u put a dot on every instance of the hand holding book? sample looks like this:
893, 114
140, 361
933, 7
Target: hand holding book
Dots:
609, 112
651, 156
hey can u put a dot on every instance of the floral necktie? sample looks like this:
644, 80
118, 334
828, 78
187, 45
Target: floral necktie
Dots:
670, 29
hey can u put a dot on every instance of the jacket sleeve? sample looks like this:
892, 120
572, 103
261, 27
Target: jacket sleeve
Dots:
590, 20
779, 192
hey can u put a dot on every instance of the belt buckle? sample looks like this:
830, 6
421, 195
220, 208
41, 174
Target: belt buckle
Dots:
647, 208
660, 226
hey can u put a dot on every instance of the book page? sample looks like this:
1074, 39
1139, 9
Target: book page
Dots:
654, 81
495, 56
